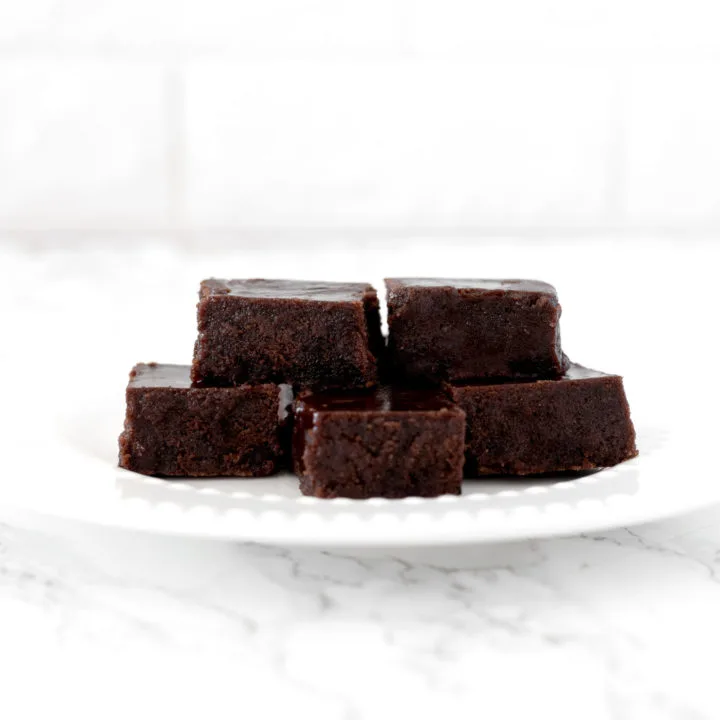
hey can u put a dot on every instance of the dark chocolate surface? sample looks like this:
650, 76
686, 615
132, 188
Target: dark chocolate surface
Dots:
387, 443
173, 429
469, 330
309, 335
578, 422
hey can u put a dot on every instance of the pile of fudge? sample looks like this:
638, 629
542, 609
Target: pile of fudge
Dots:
471, 381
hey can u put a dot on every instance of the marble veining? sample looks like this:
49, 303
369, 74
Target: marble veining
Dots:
615, 624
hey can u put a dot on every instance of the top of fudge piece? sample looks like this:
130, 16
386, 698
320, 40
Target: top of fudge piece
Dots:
483, 285
149, 375
573, 371
383, 399
580, 372
287, 289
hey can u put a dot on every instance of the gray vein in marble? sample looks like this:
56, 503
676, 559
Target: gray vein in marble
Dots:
422, 611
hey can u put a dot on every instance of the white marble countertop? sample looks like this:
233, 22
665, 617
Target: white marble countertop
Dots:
96, 622
614, 625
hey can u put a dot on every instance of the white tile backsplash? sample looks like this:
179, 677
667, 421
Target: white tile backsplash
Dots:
82, 145
288, 28
673, 143
395, 143
416, 114
83, 25
563, 28
222, 27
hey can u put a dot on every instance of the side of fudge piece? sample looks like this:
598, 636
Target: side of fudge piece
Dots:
307, 334
464, 330
174, 429
578, 422
387, 443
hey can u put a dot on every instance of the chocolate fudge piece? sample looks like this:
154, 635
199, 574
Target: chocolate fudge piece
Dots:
578, 422
387, 443
172, 428
463, 330
308, 334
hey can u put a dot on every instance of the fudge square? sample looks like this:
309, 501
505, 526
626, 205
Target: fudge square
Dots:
462, 330
308, 334
578, 422
389, 443
174, 429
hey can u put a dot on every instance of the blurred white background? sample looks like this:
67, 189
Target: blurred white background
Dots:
203, 120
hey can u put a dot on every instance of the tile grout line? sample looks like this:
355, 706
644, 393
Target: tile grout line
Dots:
176, 160
616, 206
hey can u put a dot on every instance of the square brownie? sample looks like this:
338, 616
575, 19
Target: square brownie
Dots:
389, 443
307, 334
578, 422
174, 429
464, 330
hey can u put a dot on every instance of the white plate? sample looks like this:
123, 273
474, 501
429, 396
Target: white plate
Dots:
79, 479
78, 325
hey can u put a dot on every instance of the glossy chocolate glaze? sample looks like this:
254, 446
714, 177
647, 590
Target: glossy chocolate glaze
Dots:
580, 372
489, 285
156, 375
384, 399
573, 372
287, 289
